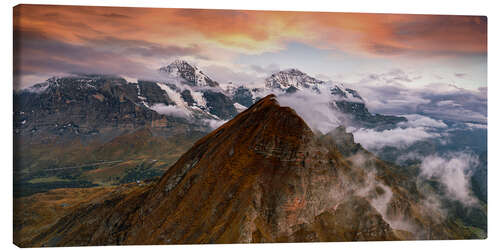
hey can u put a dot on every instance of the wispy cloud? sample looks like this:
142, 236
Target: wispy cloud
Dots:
397, 137
454, 172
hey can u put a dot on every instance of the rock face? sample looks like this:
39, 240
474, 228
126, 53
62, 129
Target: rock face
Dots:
261, 177
88, 105
219, 105
243, 96
102, 106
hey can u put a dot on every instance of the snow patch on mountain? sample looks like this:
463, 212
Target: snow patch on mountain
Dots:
172, 94
140, 97
198, 98
240, 108
130, 79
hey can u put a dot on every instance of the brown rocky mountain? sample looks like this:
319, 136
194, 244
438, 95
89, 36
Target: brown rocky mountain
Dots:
264, 176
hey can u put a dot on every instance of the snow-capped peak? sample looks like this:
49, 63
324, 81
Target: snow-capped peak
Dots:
188, 74
341, 92
291, 78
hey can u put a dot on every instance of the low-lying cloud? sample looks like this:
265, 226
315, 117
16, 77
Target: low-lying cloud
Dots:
454, 172
172, 110
397, 137
314, 108
415, 120
417, 128
391, 93
214, 124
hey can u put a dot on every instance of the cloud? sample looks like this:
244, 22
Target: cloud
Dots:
415, 120
271, 68
382, 49
314, 108
397, 137
214, 124
173, 110
36, 54
454, 172
442, 34
147, 36
476, 125
392, 93
224, 74
133, 47
417, 128
255, 32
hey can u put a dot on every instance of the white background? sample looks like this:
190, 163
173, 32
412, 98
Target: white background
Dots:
488, 8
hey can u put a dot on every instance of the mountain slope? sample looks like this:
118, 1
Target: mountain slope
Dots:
261, 177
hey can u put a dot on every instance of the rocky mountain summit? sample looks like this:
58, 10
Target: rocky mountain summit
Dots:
264, 176
188, 74
291, 80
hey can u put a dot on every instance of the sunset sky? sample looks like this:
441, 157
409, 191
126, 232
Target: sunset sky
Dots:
246, 46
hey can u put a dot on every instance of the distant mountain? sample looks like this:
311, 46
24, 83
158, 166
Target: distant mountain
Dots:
188, 74
92, 106
264, 176
347, 101
291, 80
85, 105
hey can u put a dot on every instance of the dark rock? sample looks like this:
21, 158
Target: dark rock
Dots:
219, 104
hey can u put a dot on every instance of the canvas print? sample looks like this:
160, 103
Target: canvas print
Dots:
143, 126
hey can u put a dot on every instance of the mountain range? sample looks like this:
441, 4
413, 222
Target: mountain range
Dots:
101, 160
264, 176
185, 97
57, 121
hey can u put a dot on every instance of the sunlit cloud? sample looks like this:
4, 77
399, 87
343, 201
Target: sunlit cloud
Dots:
152, 37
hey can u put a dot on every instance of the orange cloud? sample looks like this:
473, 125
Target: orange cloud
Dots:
259, 31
